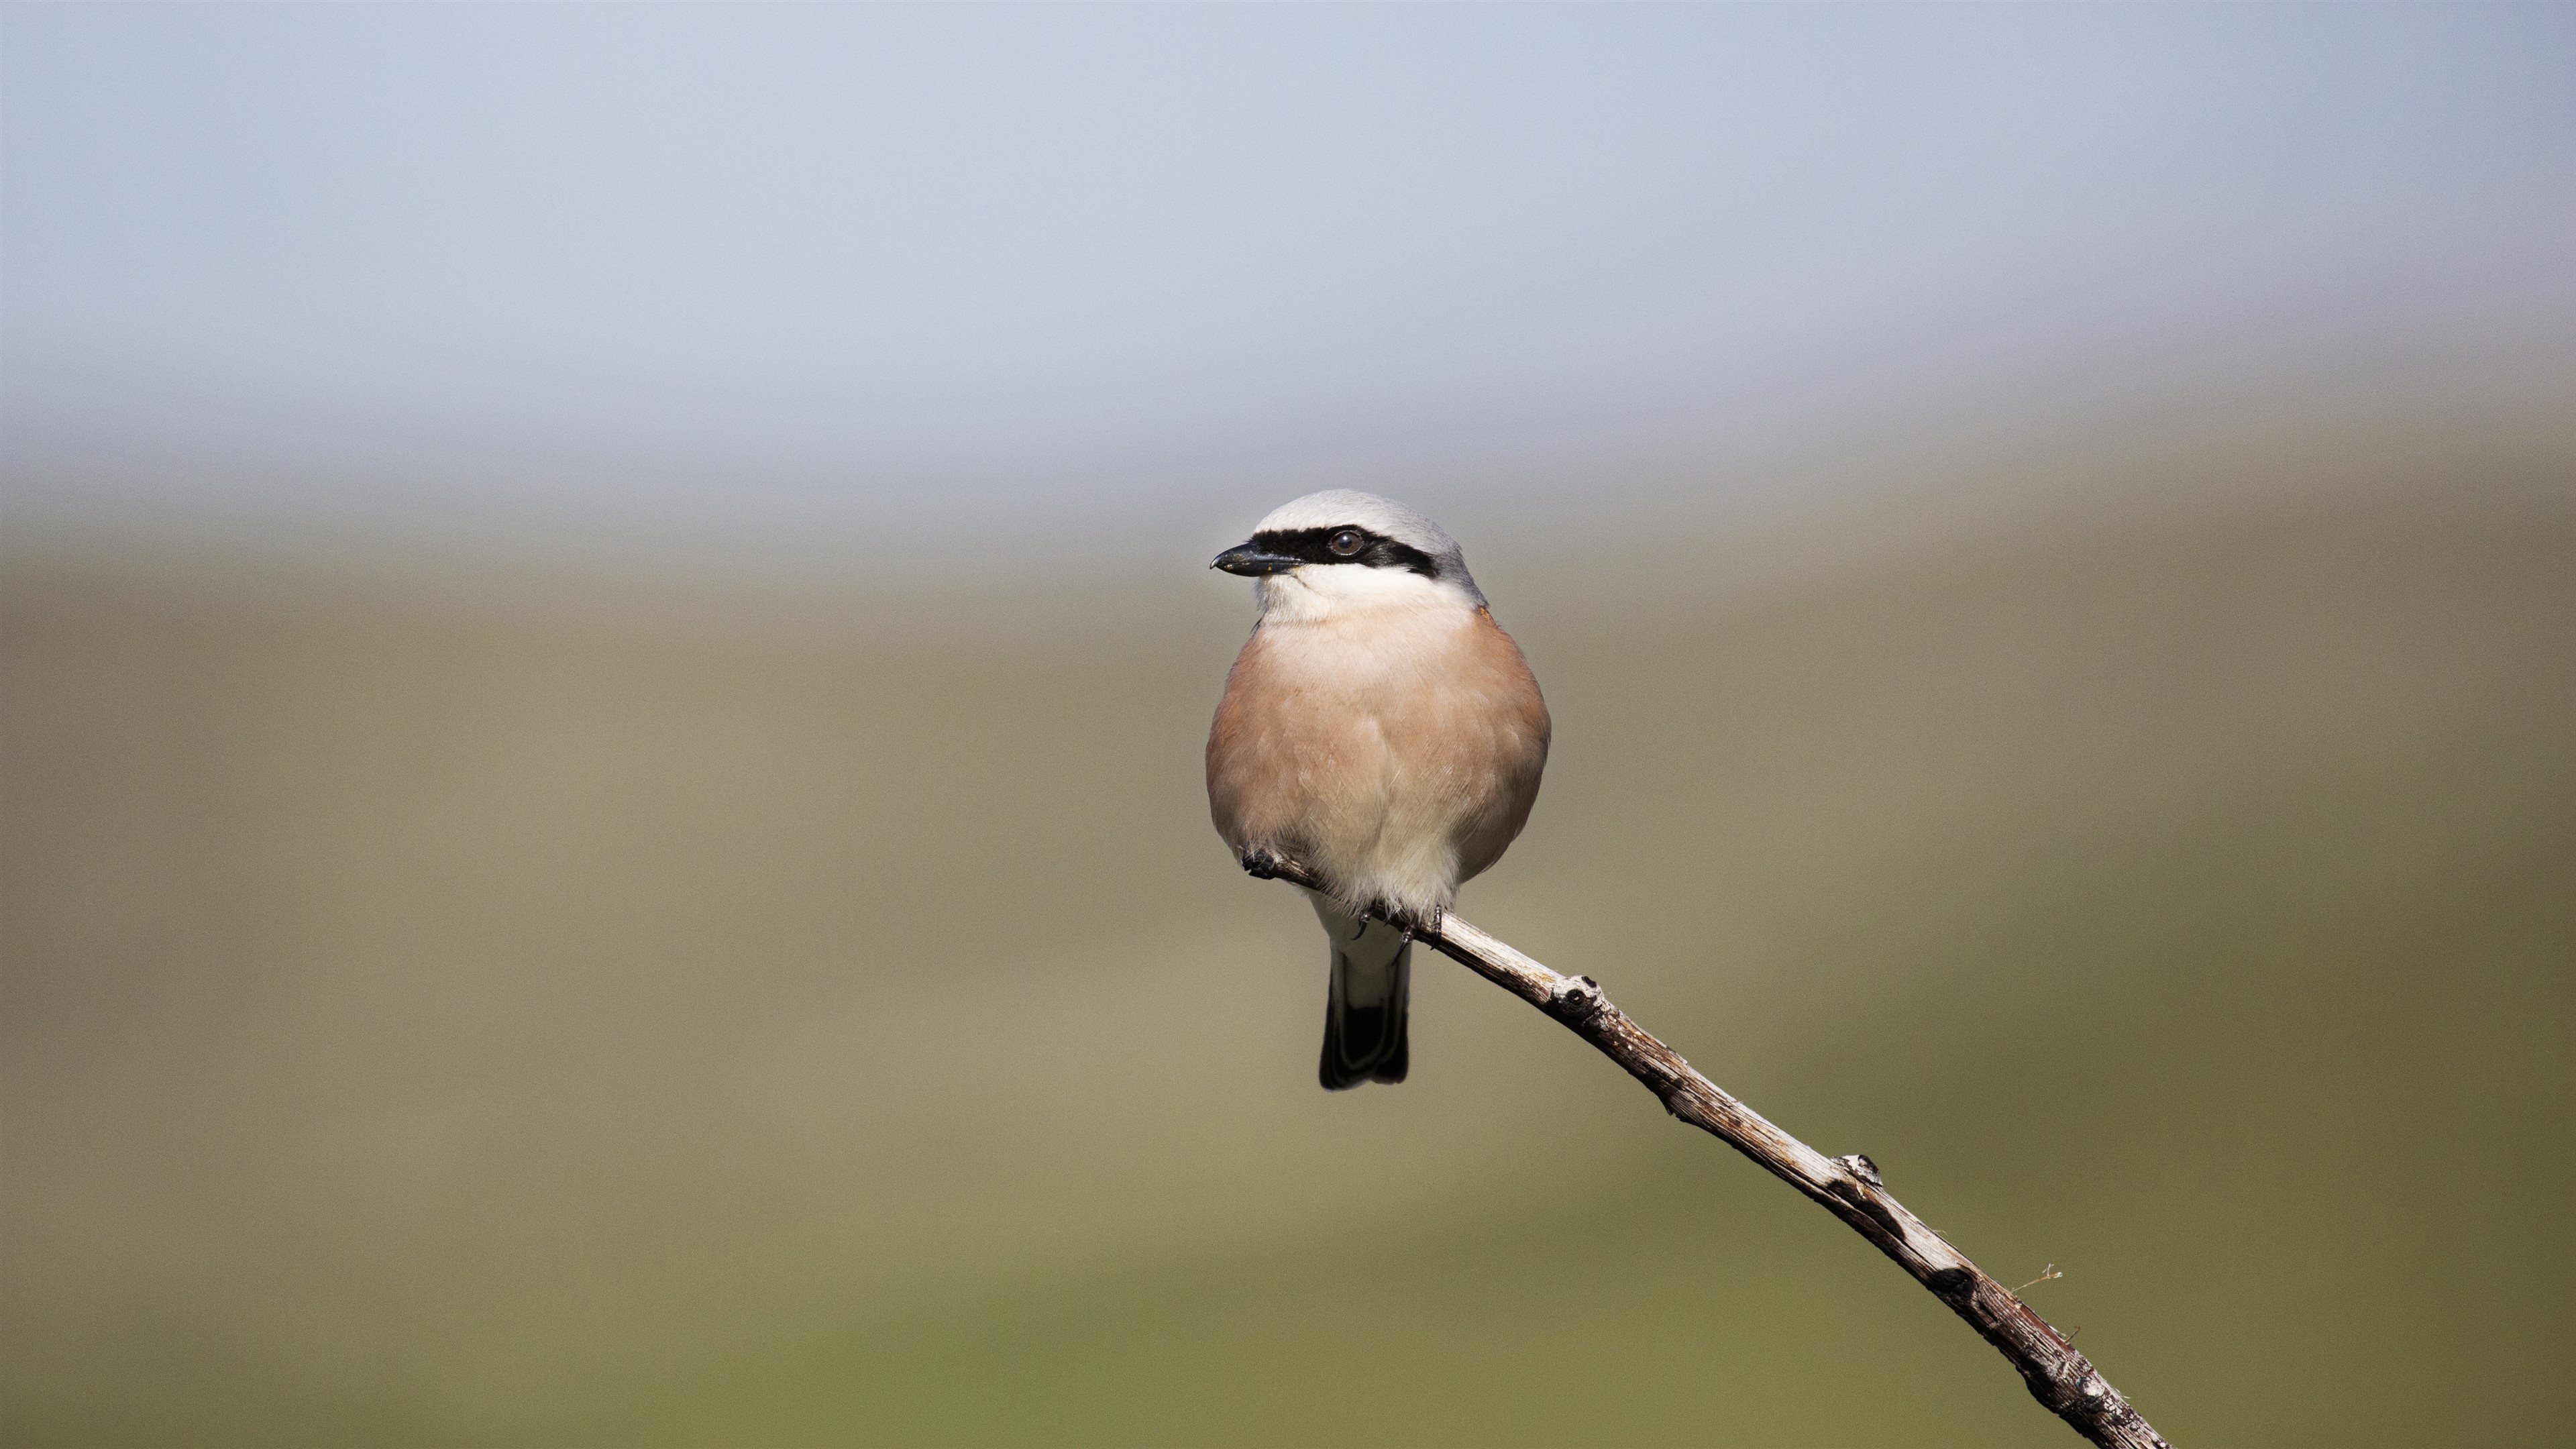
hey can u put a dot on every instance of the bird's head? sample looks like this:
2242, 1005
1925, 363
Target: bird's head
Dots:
1343, 548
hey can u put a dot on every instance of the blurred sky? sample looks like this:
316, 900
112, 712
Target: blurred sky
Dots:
866, 282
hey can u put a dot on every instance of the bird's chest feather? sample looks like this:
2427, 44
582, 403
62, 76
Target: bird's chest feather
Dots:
1385, 678
1361, 714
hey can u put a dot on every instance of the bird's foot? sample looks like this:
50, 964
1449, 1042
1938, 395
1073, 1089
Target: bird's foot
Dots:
1260, 864
1410, 922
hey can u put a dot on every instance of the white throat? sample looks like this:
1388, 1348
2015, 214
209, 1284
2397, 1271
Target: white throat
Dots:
1318, 592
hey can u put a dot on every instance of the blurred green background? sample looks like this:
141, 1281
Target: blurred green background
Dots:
604, 650
477, 1022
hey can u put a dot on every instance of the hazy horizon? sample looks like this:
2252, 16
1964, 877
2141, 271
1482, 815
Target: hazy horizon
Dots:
748, 288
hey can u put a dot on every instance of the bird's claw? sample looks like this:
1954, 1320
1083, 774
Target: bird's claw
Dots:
1260, 864
1409, 923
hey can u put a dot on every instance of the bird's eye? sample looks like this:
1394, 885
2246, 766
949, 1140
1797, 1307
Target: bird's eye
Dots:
1347, 542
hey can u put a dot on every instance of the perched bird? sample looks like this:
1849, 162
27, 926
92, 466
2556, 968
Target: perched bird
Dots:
1379, 728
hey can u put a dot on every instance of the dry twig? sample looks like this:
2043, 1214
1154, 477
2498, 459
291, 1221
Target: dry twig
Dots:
1848, 1187
2045, 1275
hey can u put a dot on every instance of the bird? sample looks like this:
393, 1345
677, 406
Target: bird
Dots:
1380, 729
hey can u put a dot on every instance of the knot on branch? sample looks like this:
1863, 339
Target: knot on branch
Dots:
1958, 1288
2077, 1393
1860, 1167
2078, 1385
1575, 999
1859, 1187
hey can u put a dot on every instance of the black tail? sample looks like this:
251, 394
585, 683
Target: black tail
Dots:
1364, 1019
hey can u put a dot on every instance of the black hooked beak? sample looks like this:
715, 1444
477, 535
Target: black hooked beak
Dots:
1251, 562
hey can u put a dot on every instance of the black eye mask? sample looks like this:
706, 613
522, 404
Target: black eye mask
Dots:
1315, 545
